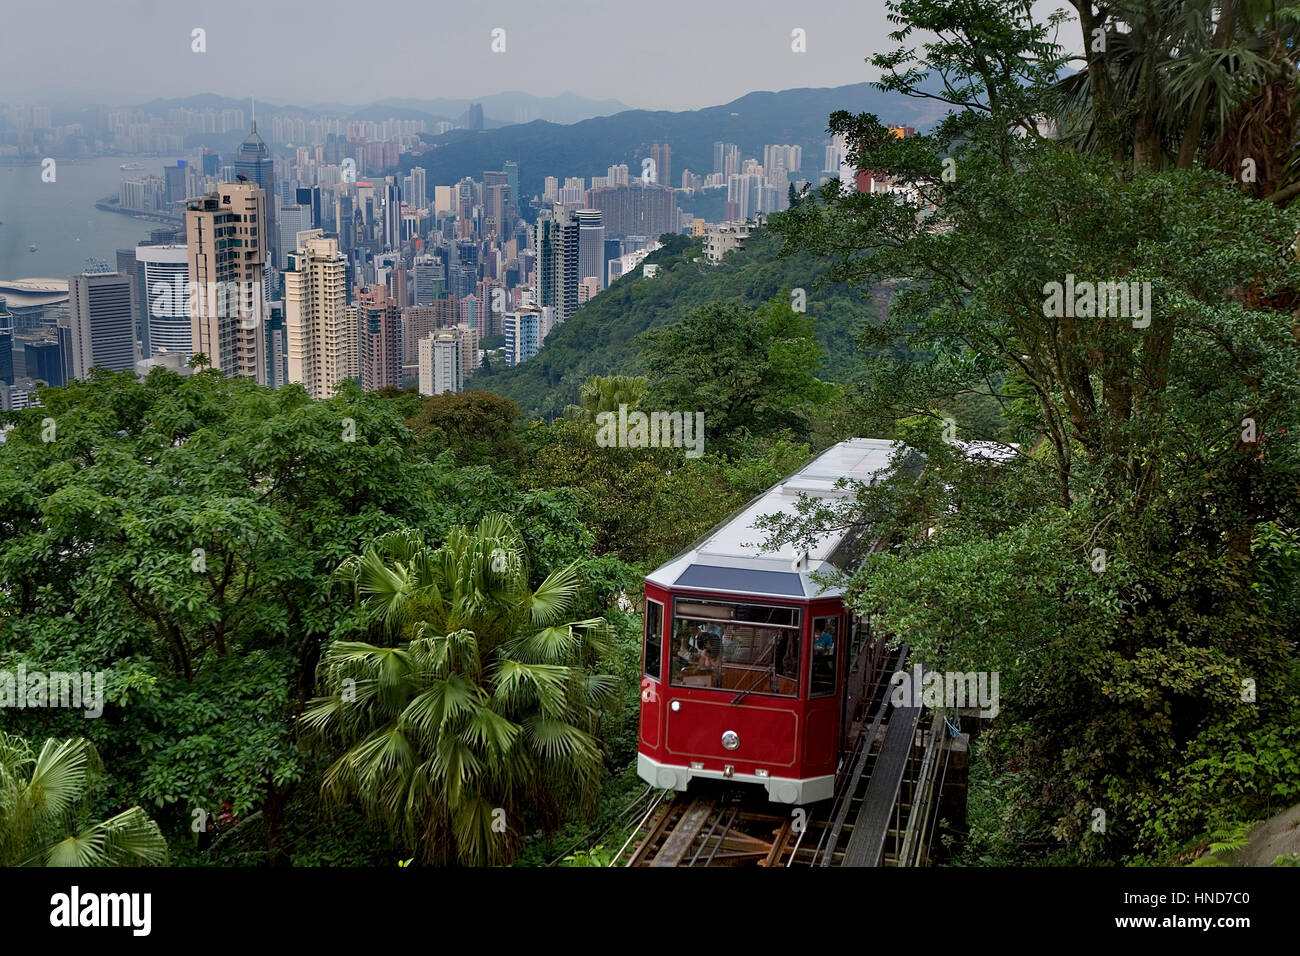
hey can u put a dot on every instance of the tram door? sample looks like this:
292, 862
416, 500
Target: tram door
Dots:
826, 658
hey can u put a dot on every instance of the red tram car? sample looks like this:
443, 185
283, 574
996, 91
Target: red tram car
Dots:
746, 657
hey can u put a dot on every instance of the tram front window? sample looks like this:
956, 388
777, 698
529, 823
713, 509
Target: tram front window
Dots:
739, 647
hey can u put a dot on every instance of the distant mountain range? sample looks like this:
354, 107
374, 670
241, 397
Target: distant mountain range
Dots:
587, 148
499, 109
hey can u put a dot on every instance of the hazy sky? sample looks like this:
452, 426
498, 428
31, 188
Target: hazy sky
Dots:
654, 54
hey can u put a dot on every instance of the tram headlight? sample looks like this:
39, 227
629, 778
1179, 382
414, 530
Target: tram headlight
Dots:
730, 739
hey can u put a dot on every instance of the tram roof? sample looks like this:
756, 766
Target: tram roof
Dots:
731, 558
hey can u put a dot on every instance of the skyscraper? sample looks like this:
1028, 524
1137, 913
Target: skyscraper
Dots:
227, 248
419, 197
6, 356
591, 246
310, 196
292, 220
635, 209
102, 317
428, 279
557, 243
253, 161
379, 343
512, 179
663, 160
44, 362
321, 344
164, 283
176, 182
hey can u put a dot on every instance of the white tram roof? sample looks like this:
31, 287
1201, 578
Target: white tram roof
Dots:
731, 558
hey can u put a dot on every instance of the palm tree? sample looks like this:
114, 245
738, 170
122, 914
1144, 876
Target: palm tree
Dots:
481, 709
1174, 81
42, 811
604, 393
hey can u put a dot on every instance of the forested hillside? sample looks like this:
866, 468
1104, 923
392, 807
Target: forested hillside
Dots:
600, 339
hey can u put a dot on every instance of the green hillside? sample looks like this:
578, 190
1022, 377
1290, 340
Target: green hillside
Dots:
599, 339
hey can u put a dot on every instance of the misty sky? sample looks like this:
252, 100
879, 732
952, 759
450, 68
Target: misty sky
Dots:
654, 54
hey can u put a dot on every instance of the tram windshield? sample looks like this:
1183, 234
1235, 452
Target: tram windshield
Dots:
752, 648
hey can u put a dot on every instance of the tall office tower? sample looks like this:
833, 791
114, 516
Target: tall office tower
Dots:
7, 376
379, 340
462, 280
102, 316
64, 332
344, 207
44, 362
419, 197
663, 159
321, 344
512, 180
253, 161
550, 189
392, 210
399, 285
211, 163
175, 179
226, 232
557, 244
464, 200
309, 196
164, 284
428, 279
474, 116
613, 249
127, 266
292, 220
492, 300
591, 245
499, 215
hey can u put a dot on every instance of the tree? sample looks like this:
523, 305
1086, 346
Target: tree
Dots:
750, 373
484, 711
44, 819
477, 426
605, 393
1116, 564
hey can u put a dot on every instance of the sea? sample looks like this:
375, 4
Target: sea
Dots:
60, 218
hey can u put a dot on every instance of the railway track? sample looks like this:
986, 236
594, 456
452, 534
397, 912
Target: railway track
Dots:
883, 811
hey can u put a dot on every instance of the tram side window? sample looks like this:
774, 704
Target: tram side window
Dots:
654, 637
826, 633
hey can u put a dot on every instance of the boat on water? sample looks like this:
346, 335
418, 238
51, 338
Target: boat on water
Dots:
32, 247
131, 167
